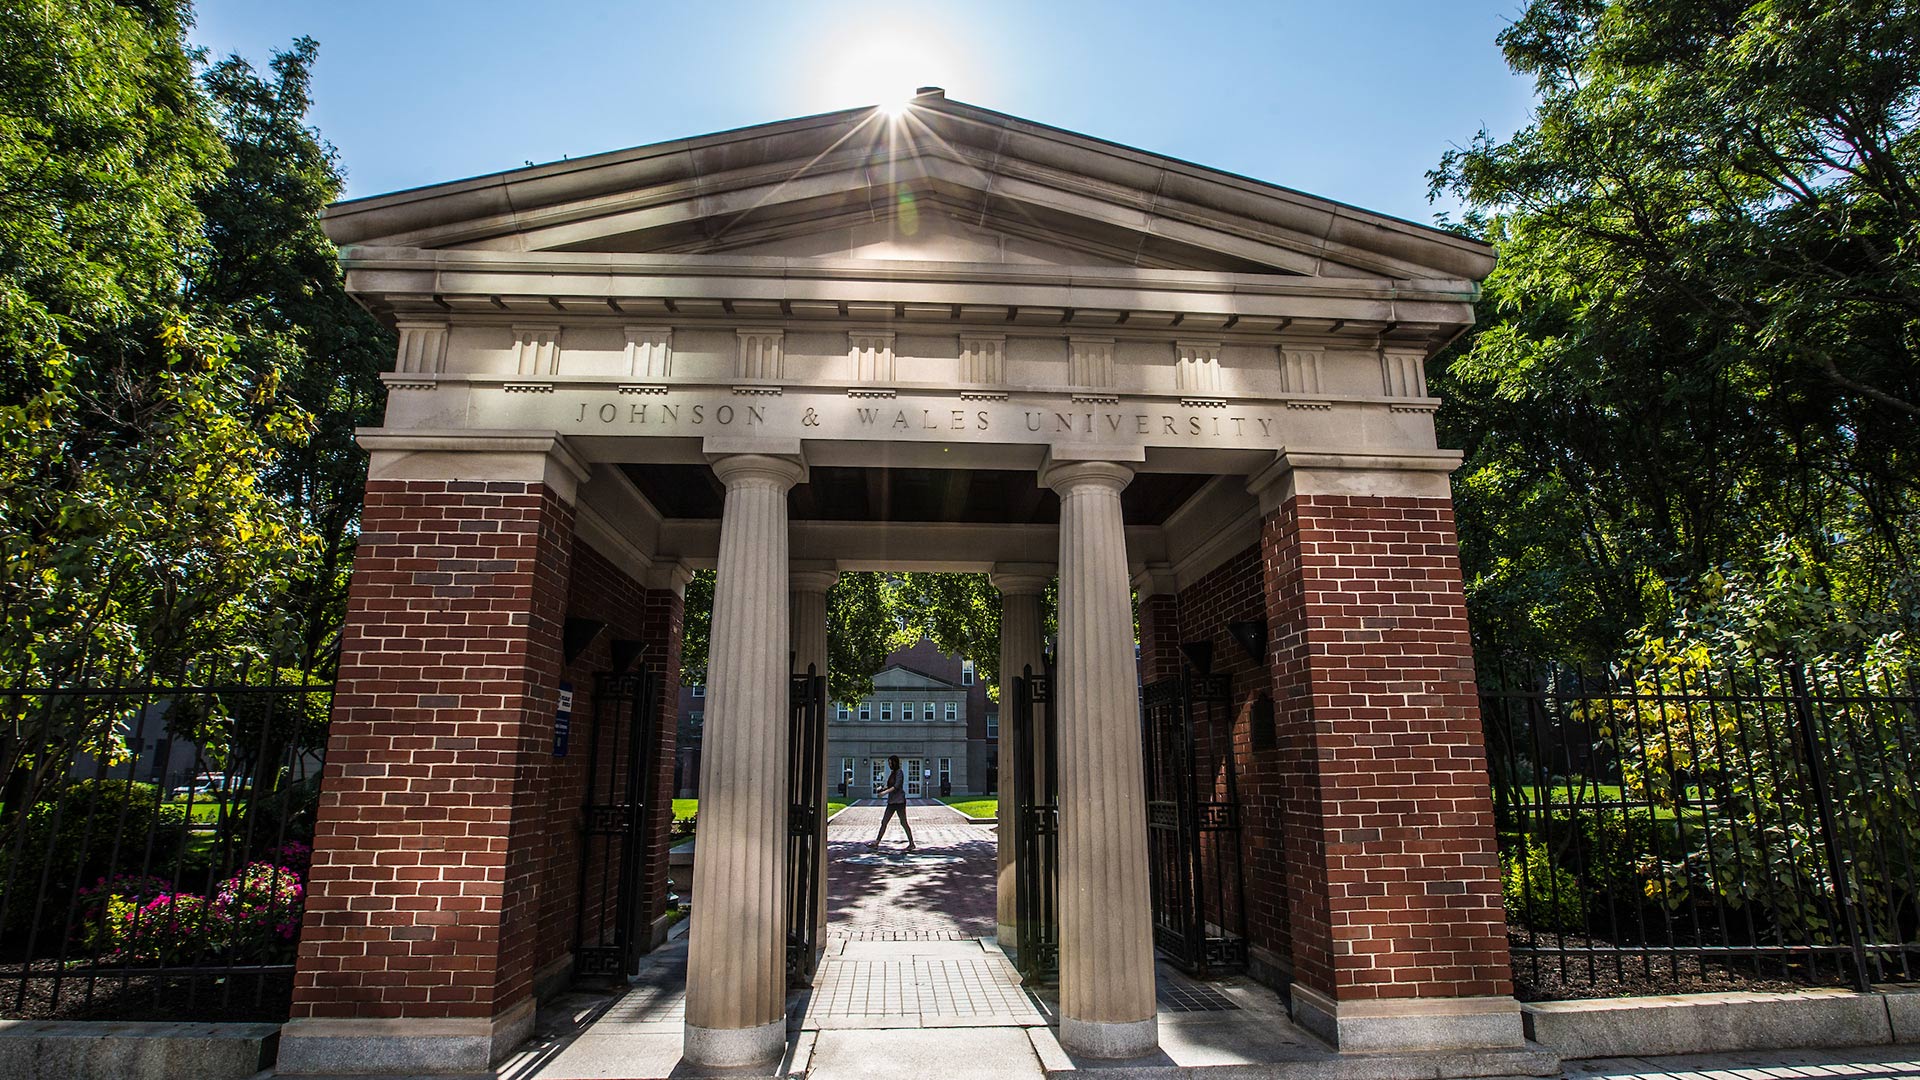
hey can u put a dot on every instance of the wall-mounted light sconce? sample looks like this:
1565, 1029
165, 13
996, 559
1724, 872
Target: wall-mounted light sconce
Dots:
577, 634
625, 652
1199, 654
1252, 636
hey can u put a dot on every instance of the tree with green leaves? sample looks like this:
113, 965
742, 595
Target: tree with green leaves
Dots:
272, 267
871, 614
1698, 351
180, 371
864, 624
138, 531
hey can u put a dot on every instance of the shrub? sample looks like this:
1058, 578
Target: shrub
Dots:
1538, 893
171, 928
257, 912
253, 917
284, 815
90, 831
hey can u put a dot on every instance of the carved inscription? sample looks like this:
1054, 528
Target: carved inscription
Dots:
850, 419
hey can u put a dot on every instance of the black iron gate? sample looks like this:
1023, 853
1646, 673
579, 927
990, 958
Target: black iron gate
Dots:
806, 753
1193, 823
612, 928
1036, 829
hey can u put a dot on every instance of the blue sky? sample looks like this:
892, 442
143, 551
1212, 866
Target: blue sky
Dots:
1354, 101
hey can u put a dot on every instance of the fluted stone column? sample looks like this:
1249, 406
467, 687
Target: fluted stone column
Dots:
807, 586
736, 964
1021, 646
1106, 941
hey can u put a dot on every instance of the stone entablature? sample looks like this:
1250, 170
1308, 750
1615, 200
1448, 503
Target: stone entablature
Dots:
1009, 357
808, 382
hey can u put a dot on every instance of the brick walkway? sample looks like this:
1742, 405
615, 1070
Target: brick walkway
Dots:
942, 892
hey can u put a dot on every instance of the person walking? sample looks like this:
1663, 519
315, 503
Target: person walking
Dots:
896, 793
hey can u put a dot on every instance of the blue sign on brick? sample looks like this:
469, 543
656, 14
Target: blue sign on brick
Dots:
563, 720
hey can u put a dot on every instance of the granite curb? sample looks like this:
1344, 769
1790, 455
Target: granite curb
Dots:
134, 1050
1716, 1023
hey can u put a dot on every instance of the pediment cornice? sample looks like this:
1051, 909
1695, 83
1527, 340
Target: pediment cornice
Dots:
578, 285
705, 195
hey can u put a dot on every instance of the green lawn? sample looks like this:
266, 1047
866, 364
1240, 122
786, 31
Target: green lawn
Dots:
1563, 798
205, 811
975, 808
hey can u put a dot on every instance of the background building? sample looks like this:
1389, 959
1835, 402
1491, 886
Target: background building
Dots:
692, 716
926, 706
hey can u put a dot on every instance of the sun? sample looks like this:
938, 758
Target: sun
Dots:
892, 65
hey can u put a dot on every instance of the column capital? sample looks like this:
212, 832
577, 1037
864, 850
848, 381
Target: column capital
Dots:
1021, 579
1065, 476
741, 470
1410, 474
805, 576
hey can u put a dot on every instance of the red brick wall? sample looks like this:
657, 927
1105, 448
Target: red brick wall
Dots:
1393, 880
424, 880
446, 869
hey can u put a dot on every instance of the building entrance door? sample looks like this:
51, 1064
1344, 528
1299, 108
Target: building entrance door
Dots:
915, 788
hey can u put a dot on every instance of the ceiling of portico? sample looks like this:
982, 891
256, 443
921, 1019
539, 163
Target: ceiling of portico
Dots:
945, 496
946, 182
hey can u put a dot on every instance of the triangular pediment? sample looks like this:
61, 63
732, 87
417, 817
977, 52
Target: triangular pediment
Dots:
896, 677
923, 229
943, 183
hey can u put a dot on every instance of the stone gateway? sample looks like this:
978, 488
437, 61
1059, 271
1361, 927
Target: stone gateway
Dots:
945, 339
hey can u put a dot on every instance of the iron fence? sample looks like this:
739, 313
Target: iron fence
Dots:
1684, 828
154, 845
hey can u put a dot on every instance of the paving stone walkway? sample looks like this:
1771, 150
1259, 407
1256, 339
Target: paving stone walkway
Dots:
916, 984
943, 891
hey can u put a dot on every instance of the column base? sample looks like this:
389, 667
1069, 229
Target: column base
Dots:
1400, 1024
1007, 936
1108, 1039
730, 1047
336, 1047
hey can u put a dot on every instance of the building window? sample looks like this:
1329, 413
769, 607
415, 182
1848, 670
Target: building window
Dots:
695, 719
866, 710
846, 771
966, 673
842, 712
993, 725
886, 710
946, 771
928, 715
953, 711
906, 710
699, 689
